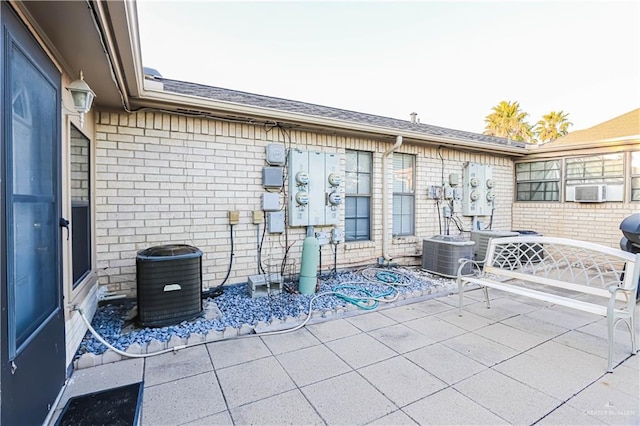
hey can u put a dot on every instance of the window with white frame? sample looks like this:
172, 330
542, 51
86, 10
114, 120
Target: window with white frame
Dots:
608, 169
357, 195
403, 194
635, 176
538, 181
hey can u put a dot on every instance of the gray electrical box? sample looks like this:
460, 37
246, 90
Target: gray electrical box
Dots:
270, 201
275, 222
276, 154
272, 177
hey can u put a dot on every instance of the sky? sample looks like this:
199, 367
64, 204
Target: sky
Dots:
448, 61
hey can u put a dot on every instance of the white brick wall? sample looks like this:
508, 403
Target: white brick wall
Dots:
164, 179
594, 222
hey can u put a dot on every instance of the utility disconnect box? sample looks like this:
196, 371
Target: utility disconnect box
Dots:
314, 188
477, 190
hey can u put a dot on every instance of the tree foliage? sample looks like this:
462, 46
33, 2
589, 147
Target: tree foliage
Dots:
552, 126
507, 120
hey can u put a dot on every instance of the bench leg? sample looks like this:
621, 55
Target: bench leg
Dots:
610, 330
460, 296
485, 290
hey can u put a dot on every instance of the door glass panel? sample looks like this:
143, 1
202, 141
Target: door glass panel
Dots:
33, 267
33, 293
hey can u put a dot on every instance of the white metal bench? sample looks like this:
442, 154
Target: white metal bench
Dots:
576, 274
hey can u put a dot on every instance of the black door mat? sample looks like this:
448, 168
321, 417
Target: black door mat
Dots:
112, 407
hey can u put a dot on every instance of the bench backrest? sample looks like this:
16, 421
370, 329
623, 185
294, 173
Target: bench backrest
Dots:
577, 265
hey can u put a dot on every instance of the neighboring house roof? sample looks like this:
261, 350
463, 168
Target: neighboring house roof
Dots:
286, 105
624, 126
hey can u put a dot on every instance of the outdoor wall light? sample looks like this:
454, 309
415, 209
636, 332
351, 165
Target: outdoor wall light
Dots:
82, 97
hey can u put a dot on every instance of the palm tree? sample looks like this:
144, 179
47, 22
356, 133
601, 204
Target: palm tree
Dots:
508, 121
552, 126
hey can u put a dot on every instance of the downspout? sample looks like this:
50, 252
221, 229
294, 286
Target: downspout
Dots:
385, 199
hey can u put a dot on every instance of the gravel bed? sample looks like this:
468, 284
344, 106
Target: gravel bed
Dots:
235, 308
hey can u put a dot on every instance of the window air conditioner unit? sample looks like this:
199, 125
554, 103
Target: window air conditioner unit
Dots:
591, 193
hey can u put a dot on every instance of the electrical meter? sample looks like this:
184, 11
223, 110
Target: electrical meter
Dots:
490, 183
490, 196
302, 178
302, 198
335, 179
473, 182
474, 195
335, 199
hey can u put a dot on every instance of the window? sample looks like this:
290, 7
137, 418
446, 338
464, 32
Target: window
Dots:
80, 206
596, 169
403, 194
538, 181
635, 176
358, 196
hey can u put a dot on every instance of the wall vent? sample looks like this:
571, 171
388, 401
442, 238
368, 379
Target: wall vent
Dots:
591, 193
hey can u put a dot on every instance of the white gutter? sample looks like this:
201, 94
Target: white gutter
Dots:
385, 199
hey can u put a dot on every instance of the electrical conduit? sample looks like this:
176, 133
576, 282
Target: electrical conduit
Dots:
385, 199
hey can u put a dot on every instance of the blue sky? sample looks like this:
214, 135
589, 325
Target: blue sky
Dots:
450, 62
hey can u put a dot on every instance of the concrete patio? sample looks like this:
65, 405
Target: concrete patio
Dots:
520, 362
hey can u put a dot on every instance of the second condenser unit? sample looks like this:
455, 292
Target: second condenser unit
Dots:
441, 254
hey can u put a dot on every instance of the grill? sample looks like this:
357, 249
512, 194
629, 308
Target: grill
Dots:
169, 284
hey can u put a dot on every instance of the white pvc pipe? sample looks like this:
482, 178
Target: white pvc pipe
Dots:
385, 199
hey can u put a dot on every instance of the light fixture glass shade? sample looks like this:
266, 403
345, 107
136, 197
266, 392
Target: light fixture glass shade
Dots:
82, 95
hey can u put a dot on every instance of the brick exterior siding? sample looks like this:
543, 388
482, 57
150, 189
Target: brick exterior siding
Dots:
170, 179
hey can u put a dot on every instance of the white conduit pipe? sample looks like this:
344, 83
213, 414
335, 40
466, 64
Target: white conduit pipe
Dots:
385, 199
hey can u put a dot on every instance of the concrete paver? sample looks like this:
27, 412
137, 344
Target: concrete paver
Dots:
176, 365
450, 407
402, 381
253, 381
289, 408
348, 399
181, 401
310, 365
226, 353
511, 400
417, 363
360, 350
371, 321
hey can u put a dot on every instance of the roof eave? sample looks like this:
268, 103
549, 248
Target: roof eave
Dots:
604, 145
173, 101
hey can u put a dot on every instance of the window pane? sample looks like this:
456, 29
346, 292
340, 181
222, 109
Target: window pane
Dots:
364, 162
350, 206
80, 205
351, 182
364, 184
635, 163
362, 207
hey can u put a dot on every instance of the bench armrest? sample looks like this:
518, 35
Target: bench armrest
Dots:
463, 262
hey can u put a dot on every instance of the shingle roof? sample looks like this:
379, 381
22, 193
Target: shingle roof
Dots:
286, 105
625, 125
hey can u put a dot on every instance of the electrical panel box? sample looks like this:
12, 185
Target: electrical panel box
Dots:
322, 237
272, 177
454, 179
314, 188
478, 190
337, 236
276, 154
270, 201
298, 188
275, 222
